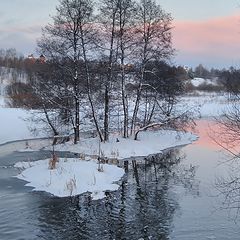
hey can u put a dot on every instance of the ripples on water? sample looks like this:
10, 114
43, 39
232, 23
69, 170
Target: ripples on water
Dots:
164, 199
143, 207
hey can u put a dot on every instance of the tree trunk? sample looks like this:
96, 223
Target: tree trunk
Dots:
89, 87
106, 113
151, 113
136, 108
124, 102
77, 121
109, 78
55, 132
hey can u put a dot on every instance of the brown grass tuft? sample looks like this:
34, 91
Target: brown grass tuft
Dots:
53, 162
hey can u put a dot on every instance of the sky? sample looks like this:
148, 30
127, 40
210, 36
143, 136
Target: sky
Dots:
206, 31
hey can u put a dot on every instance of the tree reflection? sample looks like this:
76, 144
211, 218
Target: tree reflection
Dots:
226, 134
143, 207
229, 189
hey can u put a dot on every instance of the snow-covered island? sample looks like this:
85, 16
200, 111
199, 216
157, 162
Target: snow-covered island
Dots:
75, 176
110, 130
71, 171
70, 177
148, 143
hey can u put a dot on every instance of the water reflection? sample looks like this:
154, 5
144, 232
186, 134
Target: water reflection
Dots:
143, 207
164, 198
227, 182
228, 187
206, 130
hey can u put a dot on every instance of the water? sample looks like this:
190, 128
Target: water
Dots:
172, 198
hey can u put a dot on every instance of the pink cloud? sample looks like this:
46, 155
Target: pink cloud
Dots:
218, 37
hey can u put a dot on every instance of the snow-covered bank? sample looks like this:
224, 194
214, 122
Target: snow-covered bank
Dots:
71, 177
29, 145
150, 142
208, 104
13, 126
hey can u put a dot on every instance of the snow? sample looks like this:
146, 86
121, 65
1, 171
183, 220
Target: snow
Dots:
196, 82
209, 104
2, 103
70, 177
13, 126
75, 176
149, 142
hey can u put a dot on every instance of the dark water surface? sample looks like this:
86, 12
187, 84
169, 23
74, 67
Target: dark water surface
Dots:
173, 197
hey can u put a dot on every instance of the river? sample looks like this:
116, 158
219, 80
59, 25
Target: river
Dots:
174, 197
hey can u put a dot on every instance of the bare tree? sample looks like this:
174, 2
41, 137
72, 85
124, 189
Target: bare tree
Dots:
155, 42
67, 39
98, 58
127, 26
227, 136
109, 11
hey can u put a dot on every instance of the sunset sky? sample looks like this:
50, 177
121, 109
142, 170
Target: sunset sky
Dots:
206, 31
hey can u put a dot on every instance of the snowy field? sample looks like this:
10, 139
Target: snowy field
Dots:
14, 124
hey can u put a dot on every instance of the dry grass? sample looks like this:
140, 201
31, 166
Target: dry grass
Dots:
100, 168
53, 162
71, 185
82, 156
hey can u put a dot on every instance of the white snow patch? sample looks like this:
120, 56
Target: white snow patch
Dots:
2, 101
74, 176
150, 142
13, 126
71, 177
196, 82
209, 105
